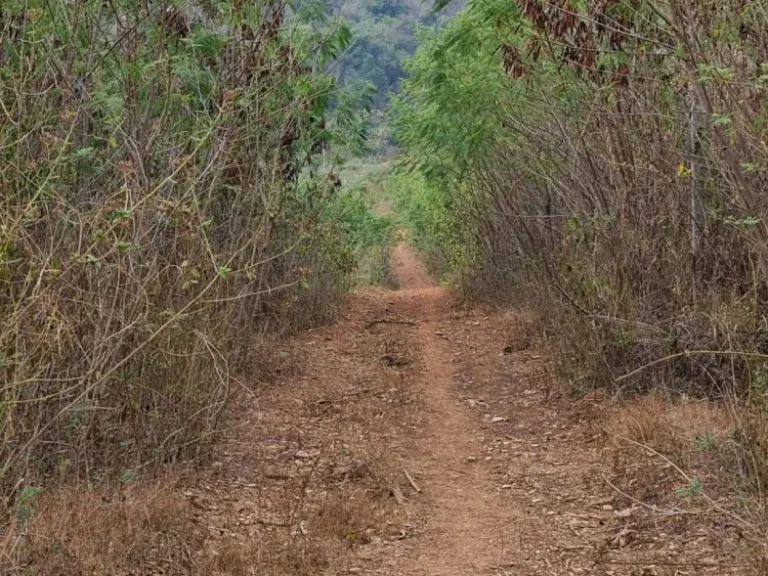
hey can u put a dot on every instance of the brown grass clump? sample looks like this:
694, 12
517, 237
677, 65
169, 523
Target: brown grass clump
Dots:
79, 532
727, 441
668, 426
265, 556
230, 557
670, 451
348, 516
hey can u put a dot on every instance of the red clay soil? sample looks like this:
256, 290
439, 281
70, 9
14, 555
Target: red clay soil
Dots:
417, 438
514, 481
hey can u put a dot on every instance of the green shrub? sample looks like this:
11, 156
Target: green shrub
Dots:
163, 205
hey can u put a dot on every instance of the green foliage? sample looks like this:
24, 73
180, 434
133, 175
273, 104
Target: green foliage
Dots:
25, 500
705, 441
169, 194
358, 222
128, 476
383, 36
445, 116
545, 154
428, 217
366, 224
694, 487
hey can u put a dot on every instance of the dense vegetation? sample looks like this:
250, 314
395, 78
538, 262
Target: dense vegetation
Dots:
604, 164
172, 194
550, 147
169, 194
384, 34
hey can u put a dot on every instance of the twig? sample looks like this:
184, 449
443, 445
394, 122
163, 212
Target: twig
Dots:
666, 563
636, 501
691, 353
411, 481
385, 321
273, 524
304, 485
654, 509
398, 494
630, 322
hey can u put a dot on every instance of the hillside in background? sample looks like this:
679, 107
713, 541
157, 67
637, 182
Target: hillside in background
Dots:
384, 34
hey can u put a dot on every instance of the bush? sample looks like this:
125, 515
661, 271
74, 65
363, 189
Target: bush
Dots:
562, 151
600, 163
162, 206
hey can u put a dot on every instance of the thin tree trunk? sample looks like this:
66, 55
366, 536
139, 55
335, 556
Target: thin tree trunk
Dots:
697, 206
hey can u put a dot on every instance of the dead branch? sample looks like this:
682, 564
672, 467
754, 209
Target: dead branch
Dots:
387, 321
411, 481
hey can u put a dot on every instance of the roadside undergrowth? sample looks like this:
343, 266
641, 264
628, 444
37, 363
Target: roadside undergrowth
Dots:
171, 207
599, 164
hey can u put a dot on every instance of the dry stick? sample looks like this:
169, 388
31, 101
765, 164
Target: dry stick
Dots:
294, 517
398, 494
273, 524
690, 353
636, 501
637, 323
714, 504
385, 321
666, 563
654, 509
411, 481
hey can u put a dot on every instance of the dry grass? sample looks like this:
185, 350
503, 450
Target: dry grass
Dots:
349, 516
231, 557
668, 443
152, 526
106, 531
669, 426
728, 440
268, 556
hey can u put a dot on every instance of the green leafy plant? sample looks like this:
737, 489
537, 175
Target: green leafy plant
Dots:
706, 441
694, 487
25, 500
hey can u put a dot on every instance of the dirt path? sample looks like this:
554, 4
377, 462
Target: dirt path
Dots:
468, 524
415, 437
514, 482
411, 274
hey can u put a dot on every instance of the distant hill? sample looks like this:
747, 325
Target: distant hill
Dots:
384, 35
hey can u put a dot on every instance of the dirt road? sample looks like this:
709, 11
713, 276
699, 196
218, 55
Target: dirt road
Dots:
417, 438
468, 524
